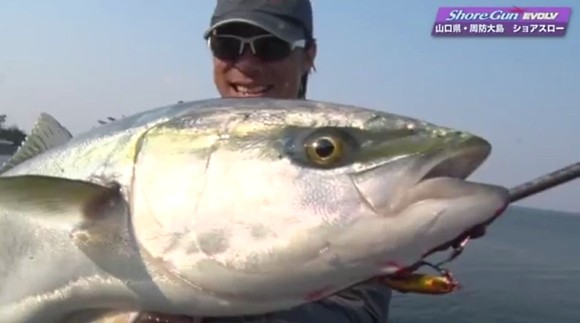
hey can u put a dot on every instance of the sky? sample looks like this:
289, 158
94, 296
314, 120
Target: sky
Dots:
85, 60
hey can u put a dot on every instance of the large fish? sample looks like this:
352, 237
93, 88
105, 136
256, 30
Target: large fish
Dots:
228, 207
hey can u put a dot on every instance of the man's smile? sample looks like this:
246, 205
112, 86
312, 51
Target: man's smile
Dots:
249, 90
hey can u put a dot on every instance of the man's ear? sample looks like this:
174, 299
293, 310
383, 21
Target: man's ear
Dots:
310, 57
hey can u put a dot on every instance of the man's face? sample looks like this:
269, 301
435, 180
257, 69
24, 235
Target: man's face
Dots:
250, 76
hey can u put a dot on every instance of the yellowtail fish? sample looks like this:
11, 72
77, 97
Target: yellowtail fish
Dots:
228, 207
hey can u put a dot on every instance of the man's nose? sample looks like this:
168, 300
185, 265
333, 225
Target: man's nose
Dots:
248, 63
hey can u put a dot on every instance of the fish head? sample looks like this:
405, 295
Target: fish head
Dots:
266, 203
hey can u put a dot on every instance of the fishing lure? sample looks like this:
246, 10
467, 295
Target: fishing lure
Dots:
442, 283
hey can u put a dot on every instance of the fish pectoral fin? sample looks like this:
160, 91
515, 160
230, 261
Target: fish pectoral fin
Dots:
46, 134
54, 194
86, 206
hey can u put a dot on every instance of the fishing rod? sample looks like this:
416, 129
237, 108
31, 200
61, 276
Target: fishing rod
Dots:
545, 182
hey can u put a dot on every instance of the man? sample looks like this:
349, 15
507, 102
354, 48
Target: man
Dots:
266, 48
281, 49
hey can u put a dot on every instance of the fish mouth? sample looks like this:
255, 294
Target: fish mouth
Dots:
445, 178
446, 170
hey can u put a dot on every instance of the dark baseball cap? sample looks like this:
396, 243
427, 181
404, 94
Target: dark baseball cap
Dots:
290, 20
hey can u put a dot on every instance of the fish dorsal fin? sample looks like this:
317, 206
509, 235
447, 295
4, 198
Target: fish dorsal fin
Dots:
84, 206
46, 134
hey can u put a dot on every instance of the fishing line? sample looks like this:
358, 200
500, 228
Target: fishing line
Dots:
545, 182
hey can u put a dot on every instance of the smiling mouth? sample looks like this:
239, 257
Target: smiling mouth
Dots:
251, 90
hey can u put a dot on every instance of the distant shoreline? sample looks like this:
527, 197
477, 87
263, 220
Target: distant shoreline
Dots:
542, 210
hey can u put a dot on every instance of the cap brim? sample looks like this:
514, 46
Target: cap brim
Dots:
270, 23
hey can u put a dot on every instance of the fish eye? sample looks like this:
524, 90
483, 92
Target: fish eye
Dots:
325, 150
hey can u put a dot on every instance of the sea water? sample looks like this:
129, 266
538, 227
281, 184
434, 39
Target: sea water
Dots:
525, 270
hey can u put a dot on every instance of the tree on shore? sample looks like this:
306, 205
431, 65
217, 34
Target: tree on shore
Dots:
11, 133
